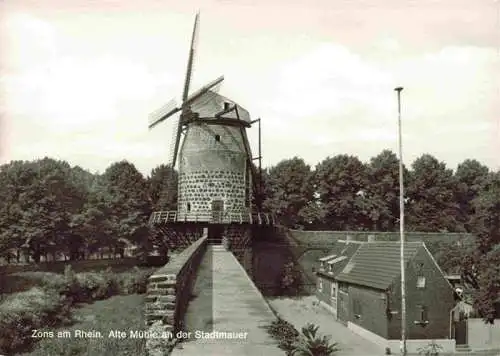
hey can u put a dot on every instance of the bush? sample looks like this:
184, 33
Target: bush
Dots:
50, 304
431, 349
289, 282
285, 333
310, 343
97, 286
135, 281
23, 312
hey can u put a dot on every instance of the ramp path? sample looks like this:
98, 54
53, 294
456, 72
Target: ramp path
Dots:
237, 308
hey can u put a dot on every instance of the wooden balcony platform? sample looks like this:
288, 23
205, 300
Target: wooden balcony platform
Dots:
172, 217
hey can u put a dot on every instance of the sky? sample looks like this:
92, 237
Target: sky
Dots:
79, 78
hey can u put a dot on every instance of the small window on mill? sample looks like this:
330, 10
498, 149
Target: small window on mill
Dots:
217, 138
188, 207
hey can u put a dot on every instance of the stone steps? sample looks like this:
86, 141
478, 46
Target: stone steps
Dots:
217, 248
462, 348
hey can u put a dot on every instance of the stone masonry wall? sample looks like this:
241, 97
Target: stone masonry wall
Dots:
240, 237
168, 293
212, 167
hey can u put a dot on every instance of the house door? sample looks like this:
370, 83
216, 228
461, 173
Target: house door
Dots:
461, 332
343, 307
217, 211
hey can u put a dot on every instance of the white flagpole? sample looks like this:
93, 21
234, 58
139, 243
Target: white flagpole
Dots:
401, 229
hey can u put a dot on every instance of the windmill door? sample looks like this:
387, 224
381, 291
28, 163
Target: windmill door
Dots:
217, 211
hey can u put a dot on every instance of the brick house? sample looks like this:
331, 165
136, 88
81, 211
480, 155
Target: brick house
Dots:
330, 266
367, 288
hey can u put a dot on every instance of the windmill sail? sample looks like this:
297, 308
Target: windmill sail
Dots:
175, 127
162, 113
192, 49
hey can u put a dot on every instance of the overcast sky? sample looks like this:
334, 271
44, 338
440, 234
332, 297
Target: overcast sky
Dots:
79, 78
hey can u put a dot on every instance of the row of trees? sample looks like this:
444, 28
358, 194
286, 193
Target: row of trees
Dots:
343, 193
49, 207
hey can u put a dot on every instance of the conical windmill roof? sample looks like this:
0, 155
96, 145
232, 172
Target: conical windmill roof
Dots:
212, 103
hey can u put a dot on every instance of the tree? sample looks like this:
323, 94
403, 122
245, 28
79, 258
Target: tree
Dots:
163, 188
470, 176
339, 182
482, 268
40, 199
289, 191
381, 203
431, 192
125, 196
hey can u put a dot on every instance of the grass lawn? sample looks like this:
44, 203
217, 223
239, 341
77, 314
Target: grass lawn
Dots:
123, 313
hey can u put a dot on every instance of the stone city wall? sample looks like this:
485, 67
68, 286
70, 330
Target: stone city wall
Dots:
169, 290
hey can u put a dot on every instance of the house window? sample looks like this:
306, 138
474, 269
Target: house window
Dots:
227, 105
188, 207
356, 309
320, 284
333, 292
217, 138
420, 282
343, 287
423, 317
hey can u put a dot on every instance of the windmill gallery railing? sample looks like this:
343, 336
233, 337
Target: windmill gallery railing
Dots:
165, 217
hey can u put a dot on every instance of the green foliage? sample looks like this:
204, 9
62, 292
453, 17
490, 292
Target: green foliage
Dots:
307, 343
48, 305
381, 202
117, 313
51, 207
431, 192
285, 333
338, 181
311, 344
163, 188
289, 191
470, 176
39, 199
482, 267
289, 280
22, 312
432, 349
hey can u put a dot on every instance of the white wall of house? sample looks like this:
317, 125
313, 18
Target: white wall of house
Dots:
483, 336
412, 346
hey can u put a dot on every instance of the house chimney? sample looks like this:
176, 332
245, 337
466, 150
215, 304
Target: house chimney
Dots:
371, 238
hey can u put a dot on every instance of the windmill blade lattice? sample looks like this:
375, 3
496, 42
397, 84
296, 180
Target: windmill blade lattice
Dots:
192, 52
170, 160
163, 113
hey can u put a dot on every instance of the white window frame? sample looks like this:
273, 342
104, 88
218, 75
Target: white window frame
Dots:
421, 282
320, 284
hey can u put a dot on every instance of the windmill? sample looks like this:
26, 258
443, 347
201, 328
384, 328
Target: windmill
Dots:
217, 177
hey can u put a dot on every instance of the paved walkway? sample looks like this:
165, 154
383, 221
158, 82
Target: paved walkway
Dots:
237, 307
300, 311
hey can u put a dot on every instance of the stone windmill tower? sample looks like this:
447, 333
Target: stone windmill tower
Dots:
217, 182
